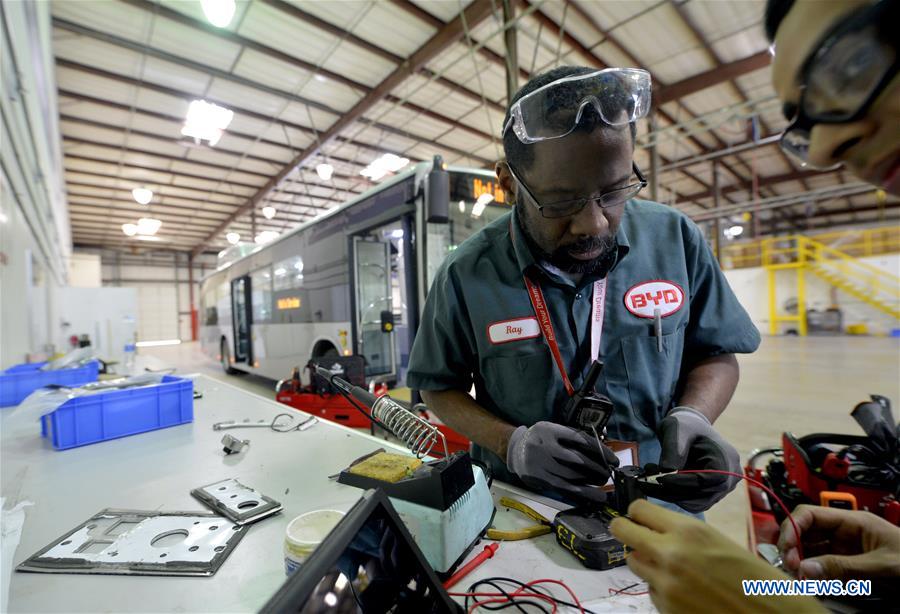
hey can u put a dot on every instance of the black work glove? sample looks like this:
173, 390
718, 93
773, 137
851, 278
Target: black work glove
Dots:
690, 442
552, 456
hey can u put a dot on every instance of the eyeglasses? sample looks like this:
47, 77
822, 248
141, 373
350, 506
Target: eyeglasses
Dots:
845, 74
566, 208
619, 95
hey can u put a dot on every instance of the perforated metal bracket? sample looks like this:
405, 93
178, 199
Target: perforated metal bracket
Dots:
238, 503
133, 542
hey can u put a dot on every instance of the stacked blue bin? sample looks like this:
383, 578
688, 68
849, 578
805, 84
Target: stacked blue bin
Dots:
119, 413
18, 382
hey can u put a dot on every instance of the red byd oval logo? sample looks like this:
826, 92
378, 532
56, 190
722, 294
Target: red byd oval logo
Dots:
645, 298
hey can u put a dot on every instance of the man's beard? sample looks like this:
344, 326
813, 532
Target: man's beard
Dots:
563, 260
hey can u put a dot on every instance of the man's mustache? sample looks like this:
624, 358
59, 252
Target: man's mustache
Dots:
588, 244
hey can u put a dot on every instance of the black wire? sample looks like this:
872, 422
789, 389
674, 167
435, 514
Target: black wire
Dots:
491, 582
509, 598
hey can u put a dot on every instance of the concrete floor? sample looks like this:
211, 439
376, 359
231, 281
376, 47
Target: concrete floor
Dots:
801, 385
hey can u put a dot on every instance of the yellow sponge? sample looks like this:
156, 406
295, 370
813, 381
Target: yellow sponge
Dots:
386, 467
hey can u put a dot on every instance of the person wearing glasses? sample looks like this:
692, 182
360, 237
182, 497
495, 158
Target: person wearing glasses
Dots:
582, 270
835, 70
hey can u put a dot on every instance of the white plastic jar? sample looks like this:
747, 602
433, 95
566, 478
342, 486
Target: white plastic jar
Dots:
304, 533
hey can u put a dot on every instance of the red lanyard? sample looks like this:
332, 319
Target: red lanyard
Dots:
543, 318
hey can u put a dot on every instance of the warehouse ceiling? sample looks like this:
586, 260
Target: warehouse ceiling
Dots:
344, 82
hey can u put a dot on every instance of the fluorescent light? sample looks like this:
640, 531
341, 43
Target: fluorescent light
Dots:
130, 229
268, 212
142, 195
206, 121
154, 344
462, 206
387, 163
483, 201
280, 272
148, 226
325, 171
147, 238
218, 12
265, 236
233, 238
397, 234
299, 266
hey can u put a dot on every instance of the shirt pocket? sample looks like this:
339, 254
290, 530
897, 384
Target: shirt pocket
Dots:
652, 374
520, 386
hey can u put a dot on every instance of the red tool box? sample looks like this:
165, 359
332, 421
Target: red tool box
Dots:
327, 404
332, 407
835, 470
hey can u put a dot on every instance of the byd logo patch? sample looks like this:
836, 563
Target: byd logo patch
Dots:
646, 297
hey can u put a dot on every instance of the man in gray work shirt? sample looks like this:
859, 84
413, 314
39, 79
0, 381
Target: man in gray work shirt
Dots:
581, 270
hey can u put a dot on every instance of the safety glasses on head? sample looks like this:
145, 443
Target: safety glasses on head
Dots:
844, 75
618, 95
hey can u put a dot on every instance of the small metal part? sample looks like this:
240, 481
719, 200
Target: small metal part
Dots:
236, 502
133, 542
771, 554
233, 445
654, 479
280, 427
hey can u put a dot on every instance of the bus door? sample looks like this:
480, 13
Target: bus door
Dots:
242, 319
374, 305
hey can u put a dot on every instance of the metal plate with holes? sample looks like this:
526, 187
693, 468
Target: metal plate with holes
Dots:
136, 542
237, 502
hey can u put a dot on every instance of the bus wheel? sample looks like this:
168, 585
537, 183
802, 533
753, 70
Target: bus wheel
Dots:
225, 353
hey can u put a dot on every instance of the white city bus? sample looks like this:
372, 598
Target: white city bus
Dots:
352, 281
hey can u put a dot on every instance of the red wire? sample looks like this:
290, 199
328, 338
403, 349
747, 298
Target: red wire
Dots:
523, 593
765, 488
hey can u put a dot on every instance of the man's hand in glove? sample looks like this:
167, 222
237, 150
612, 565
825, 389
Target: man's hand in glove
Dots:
690, 442
552, 456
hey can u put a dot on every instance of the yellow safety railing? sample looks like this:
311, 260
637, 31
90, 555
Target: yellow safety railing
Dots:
870, 284
856, 243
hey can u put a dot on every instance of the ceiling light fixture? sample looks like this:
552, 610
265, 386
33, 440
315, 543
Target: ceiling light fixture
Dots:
148, 226
325, 171
233, 238
206, 121
130, 229
734, 231
218, 12
142, 195
268, 211
387, 163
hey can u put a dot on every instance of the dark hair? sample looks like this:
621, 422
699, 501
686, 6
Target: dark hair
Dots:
776, 11
521, 155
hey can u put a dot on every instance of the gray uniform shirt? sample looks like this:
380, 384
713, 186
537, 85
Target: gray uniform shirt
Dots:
479, 325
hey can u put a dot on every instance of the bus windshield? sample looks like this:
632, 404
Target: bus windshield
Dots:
476, 200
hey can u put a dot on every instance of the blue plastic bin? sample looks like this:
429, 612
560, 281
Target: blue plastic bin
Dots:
18, 382
120, 413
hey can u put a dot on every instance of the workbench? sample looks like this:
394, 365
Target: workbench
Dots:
157, 470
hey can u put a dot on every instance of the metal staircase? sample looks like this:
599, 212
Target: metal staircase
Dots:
875, 287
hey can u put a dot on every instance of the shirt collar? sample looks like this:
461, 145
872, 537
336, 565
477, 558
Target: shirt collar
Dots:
525, 258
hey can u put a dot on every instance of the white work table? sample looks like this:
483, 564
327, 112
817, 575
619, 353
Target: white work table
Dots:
157, 470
